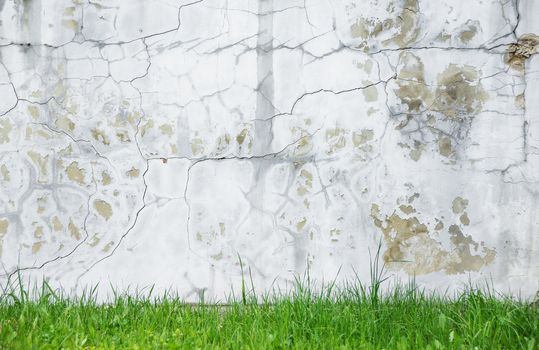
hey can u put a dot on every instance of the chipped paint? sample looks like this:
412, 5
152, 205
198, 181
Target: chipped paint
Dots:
103, 208
74, 173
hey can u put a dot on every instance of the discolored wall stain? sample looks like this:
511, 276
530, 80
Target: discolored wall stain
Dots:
362, 137
459, 93
4, 224
57, 224
64, 123
133, 173
103, 208
74, 230
336, 140
401, 28
517, 53
74, 173
440, 113
5, 129
458, 205
4, 171
411, 246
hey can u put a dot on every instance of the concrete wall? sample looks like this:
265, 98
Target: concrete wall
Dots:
155, 141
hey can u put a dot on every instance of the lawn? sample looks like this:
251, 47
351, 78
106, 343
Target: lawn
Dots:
348, 316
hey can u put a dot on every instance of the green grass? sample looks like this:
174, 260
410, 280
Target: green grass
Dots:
345, 317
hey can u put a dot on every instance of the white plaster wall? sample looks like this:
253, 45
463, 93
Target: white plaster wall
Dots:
147, 142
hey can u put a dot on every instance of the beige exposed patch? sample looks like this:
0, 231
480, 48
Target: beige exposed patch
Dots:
459, 205
457, 97
301, 224
133, 172
105, 178
103, 208
459, 91
335, 139
5, 172
362, 137
73, 230
412, 89
407, 209
123, 136
197, 147
57, 224
4, 224
222, 228
74, 173
469, 31
107, 247
517, 53
34, 112
370, 93
305, 182
410, 246
166, 129
146, 127
71, 24
464, 219
5, 129
403, 28
444, 146
40, 161
38, 231
36, 247
101, 136
520, 101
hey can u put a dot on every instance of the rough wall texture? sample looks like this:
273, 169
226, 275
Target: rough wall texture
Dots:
155, 141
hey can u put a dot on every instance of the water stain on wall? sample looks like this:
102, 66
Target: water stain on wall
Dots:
517, 53
442, 112
401, 28
412, 247
103, 208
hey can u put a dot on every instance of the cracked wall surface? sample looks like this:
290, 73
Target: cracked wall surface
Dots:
154, 142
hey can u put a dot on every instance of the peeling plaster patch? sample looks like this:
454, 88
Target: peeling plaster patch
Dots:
105, 178
442, 112
468, 31
166, 129
520, 101
401, 29
370, 93
57, 224
73, 230
519, 52
411, 247
362, 137
74, 173
103, 208
444, 146
464, 219
4, 224
301, 224
133, 172
36, 247
5, 129
336, 140
4, 171
40, 161
197, 147
407, 209
459, 205
101, 136
459, 92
